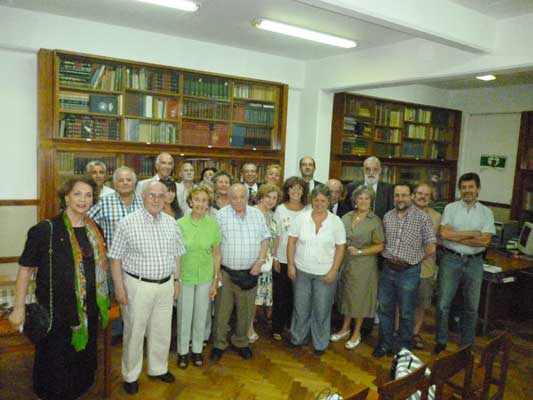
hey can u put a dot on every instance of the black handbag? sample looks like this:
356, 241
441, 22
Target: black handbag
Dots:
38, 320
242, 278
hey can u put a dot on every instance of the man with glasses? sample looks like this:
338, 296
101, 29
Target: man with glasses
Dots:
145, 263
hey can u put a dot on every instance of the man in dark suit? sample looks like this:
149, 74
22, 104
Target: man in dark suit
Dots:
384, 191
307, 169
384, 202
337, 206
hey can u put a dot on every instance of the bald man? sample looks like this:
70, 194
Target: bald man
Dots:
164, 165
337, 206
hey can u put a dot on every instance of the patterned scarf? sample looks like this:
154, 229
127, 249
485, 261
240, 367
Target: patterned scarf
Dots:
80, 333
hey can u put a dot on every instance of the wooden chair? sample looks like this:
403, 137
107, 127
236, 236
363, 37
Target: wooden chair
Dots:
401, 389
359, 396
447, 366
499, 346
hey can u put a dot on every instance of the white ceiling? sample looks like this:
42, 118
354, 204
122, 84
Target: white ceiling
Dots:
227, 22
502, 79
499, 9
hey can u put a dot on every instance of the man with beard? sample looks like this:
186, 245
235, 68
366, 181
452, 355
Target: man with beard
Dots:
384, 192
409, 239
466, 228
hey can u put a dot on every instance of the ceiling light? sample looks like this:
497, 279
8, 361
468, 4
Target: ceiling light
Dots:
486, 77
302, 33
184, 5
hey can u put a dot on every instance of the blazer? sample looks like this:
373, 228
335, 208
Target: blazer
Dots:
384, 197
342, 208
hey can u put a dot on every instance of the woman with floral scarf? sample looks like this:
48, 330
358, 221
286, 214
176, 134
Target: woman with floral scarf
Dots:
65, 360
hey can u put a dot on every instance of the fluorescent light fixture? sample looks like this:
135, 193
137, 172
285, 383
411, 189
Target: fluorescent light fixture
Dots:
184, 5
302, 33
486, 77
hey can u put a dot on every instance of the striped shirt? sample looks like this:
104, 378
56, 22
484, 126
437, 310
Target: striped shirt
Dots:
407, 237
241, 236
148, 246
110, 210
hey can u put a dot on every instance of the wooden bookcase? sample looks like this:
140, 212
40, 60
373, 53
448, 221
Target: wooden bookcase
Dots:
414, 142
522, 203
126, 112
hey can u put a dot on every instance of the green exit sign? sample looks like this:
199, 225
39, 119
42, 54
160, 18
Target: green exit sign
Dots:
488, 160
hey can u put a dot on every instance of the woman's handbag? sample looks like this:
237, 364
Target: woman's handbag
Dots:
267, 266
38, 320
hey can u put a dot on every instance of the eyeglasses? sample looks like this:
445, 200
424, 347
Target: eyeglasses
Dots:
154, 196
297, 187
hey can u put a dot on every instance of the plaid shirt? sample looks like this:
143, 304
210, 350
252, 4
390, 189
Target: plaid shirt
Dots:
407, 237
148, 246
110, 210
241, 236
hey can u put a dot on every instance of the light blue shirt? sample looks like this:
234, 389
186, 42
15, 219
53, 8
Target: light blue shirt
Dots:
462, 218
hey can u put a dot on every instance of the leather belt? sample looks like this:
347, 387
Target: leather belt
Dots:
463, 255
397, 265
158, 281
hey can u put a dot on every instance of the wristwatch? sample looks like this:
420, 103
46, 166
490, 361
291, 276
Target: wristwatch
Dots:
359, 252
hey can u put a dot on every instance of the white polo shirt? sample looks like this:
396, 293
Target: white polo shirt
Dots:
315, 251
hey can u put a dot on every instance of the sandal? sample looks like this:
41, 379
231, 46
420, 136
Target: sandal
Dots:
183, 361
197, 359
418, 342
277, 336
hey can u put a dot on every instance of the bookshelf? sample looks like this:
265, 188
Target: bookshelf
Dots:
522, 202
126, 112
413, 141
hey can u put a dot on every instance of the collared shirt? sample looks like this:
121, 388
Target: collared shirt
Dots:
106, 190
147, 246
109, 210
181, 194
462, 218
251, 190
429, 265
284, 217
311, 185
141, 184
241, 236
200, 237
315, 251
407, 237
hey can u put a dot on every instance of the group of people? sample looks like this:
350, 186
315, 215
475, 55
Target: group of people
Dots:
217, 249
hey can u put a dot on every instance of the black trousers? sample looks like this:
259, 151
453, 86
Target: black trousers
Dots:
282, 300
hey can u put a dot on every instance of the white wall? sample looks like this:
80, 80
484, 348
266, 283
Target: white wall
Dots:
421, 94
18, 77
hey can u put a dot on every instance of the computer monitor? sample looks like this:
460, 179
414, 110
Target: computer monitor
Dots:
525, 243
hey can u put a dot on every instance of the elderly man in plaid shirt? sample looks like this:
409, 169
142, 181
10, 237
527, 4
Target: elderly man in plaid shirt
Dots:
245, 239
145, 263
409, 239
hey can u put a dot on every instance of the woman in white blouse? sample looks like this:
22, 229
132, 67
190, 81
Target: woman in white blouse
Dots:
314, 252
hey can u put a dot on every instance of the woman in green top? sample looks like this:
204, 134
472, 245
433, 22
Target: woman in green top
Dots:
200, 267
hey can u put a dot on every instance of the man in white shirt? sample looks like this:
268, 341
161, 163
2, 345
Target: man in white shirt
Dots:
186, 184
164, 165
98, 170
307, 169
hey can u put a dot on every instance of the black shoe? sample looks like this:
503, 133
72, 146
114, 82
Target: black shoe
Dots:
216, 354
438, 348
197, 359
131, 387
116, 340
318, 353
167, 377
183, 361
381, 352
244, 352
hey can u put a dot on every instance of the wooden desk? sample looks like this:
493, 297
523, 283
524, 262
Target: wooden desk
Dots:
114, 313
512, 268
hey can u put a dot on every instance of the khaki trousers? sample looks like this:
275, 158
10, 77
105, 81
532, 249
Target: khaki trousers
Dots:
148, 313
228, 296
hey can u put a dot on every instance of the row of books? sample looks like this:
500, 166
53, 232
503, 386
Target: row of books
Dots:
75, 164
357, 147
413, 149
360, 108
254, 92
254, 112
437, 151
142, 165
417, 115
392, 135
149, 132
386, 150
356, 127
203, 133
149, 79
354, 173
388, 116
83, 127
151, 107
209, 110
251, 136
74, 101
84, 102
91, 76
415, 131
205, 86
442, 134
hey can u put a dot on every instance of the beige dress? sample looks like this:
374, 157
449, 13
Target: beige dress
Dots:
359, 278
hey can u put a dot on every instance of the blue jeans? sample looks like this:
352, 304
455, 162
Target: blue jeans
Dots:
454, 269
397, 287
311, 316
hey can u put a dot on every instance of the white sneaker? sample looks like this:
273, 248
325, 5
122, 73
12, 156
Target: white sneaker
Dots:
336, 336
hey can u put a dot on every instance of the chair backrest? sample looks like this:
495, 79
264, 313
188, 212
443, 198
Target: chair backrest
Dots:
401, 389
501, 344
446, 366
